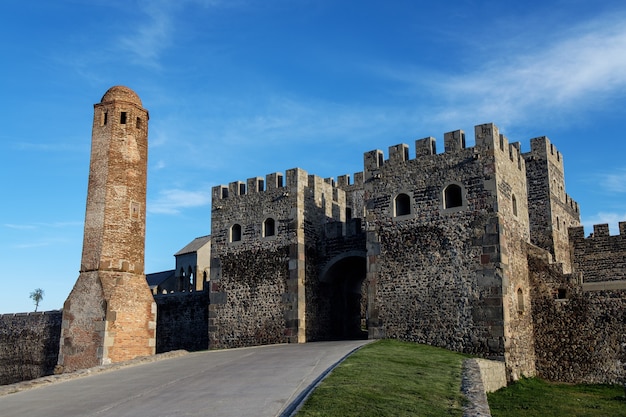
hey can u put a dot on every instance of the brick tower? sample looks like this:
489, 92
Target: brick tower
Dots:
110, 315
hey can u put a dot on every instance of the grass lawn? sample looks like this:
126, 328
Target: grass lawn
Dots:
534, 397
391, 378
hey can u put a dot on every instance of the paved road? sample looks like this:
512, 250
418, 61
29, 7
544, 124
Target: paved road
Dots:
258, 381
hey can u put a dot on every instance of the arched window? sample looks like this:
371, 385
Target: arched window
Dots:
269, 227
190, 279
520, 301
452, 196
514, 202
402, 205
235, 233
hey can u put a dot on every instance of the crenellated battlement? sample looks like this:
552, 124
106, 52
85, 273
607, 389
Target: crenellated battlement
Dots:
487, 138
254, 185
599, 231
542, 148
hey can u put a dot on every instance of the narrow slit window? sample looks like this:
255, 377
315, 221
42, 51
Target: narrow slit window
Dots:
514, 202
123, 118
105, 116
138, 123
520, 301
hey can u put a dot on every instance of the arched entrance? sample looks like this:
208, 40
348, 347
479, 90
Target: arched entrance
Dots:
348, 305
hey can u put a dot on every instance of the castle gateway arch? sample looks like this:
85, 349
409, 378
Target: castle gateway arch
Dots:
345, 296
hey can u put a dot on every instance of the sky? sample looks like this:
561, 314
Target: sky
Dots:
238, 89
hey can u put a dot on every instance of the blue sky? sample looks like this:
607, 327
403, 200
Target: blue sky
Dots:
238, 89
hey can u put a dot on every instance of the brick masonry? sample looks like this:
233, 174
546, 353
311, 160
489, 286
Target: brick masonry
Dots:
110, 315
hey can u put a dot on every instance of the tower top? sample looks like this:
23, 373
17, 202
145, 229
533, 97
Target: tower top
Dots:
122, 93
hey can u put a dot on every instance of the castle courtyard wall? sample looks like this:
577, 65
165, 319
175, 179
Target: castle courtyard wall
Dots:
29, 345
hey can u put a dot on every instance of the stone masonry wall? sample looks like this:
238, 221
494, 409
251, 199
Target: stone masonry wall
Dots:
29, 345
552, 210
580, 338
182, 321
512, 207
600, 257
252, 295
431, 273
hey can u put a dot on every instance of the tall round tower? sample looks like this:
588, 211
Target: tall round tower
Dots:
110, 315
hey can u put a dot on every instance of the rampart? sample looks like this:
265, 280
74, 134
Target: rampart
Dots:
580, 336
182, 321
601, 257
29, 345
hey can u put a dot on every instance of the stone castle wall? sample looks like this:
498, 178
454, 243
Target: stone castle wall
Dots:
250, 277
601, 257
580, 336
554, 211
29, 345
431, 271
182, 321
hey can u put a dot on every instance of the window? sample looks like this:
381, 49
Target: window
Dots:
123, 118
514, 202
452, 196
348, 213
520, 301
138, 123
235, 233
402, 205
105, 116
269, 228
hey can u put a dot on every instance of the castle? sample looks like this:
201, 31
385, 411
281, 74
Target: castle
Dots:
475, 249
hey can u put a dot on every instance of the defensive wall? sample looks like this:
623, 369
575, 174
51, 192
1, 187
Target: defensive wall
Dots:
29, 345
580, 334
445, 234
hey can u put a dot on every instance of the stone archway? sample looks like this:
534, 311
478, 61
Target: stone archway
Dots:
345, 278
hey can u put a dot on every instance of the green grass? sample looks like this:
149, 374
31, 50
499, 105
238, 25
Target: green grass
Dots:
391, 378
535, 397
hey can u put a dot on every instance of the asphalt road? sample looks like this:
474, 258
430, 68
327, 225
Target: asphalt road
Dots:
258, 381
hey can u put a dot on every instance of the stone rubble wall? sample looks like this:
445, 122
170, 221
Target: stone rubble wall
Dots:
600, 257
182, 321
579, 339
29, 345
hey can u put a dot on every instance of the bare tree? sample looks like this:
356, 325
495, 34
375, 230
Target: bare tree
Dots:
37, 296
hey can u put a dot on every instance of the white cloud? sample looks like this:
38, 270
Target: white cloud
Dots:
173, 200
576, 71
19, 226
615, 182
610, 218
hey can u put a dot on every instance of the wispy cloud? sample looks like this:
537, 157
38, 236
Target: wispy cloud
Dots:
577, 69
37, 225
20, 226
174, 200
614, 182
610, 218
150, 36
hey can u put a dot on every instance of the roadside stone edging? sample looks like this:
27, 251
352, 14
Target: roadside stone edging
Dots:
51, 379
481, 376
